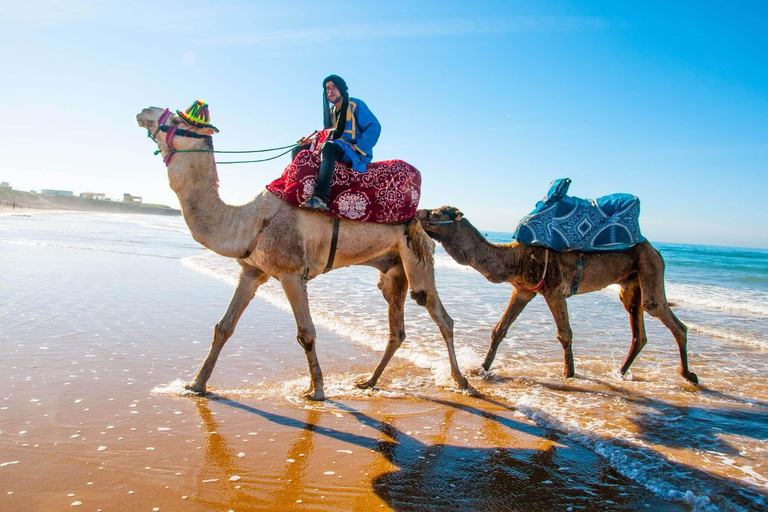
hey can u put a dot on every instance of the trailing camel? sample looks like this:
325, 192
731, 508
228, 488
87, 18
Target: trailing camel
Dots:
554, 275
270, 238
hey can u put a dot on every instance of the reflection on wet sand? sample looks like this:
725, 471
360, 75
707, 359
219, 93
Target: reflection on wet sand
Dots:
458, 456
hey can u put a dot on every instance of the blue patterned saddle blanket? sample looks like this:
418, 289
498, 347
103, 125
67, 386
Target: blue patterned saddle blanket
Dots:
565, 223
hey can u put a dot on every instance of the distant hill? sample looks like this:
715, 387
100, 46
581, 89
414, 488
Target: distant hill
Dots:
41, 202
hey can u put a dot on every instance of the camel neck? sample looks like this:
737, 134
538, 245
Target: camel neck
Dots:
469, 247
213, 223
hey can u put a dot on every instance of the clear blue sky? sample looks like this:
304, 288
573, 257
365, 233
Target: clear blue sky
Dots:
664, 100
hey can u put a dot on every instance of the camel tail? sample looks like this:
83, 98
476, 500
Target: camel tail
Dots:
418, 241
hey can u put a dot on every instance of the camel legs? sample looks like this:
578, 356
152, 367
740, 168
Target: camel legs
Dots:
631, 297
655, 303
249, 281
421, 277
296, 290
394, 286
520, 299
559, 309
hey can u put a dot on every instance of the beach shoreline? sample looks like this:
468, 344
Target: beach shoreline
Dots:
104, 318
93, 411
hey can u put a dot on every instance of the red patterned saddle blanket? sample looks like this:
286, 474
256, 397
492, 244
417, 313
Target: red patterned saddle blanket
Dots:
388, 192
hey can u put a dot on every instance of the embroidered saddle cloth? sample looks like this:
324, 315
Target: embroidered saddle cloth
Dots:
388, 192
565, 223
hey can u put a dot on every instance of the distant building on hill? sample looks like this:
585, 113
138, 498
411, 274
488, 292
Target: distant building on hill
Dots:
128, 198
101, 196
6, 185
49, 192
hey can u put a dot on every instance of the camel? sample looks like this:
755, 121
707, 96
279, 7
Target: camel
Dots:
270, 238
536, 270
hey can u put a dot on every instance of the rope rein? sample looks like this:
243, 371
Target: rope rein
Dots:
172, 131
288, 150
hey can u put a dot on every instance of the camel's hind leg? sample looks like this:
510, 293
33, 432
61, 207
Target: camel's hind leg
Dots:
249, 281
631, 297
651, 270
520, 299
296, 290
394, 286
655, 304
416, 255
559, 309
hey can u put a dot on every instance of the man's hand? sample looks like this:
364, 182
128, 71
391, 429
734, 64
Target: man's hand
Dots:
305, 141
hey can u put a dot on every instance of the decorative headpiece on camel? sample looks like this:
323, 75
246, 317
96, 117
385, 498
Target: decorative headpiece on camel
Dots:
198, 115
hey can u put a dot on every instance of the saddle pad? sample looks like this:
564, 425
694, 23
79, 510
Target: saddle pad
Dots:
388, 192
566, 223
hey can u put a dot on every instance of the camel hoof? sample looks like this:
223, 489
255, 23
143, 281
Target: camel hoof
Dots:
691, 377
315, 396
478, 372
462, 382
364, 384
198, 390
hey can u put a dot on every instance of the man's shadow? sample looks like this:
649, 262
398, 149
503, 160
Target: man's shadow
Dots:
443, 476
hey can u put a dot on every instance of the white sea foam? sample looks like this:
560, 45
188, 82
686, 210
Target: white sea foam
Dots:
729, 333
719, 297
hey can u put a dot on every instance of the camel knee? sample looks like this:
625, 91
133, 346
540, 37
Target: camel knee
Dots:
306, 338
565, 338
651, 306
223, 331
396, 339
420, 296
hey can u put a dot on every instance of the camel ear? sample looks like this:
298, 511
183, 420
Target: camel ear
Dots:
206, 131
458, 217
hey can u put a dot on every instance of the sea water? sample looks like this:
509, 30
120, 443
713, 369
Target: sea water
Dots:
706, 446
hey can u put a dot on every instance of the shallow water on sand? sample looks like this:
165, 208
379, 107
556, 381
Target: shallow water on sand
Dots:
101, 316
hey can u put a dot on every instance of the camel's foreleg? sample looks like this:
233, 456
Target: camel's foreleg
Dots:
394, 286
559, 309
520, 299
296, 290
631, 298
249, 281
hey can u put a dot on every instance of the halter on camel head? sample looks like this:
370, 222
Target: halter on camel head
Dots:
197, 115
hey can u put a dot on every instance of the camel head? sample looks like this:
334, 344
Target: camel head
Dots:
439, 222
172, 132
155, 118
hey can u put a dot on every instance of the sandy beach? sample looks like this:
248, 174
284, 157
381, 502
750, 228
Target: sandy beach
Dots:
103, 318
92, 413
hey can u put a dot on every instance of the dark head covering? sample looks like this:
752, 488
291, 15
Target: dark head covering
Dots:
341, 124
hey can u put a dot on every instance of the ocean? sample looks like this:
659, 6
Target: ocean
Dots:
705, 447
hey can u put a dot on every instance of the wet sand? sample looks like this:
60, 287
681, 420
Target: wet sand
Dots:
92, 414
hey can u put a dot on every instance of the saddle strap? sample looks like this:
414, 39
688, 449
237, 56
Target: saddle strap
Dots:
334, 241
579, 273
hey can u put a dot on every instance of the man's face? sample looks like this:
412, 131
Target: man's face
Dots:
332, 92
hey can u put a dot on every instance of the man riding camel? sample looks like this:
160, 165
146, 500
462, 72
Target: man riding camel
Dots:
355, 131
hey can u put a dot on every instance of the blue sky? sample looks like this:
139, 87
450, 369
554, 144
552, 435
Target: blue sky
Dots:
492, 101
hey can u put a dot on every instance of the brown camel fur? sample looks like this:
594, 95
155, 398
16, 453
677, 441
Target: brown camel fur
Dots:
293, 246
639, 271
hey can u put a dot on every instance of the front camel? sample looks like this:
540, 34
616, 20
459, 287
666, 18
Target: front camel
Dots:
270, 238
639, 271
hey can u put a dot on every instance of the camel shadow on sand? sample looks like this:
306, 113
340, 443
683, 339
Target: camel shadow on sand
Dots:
692, 427
444, 476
